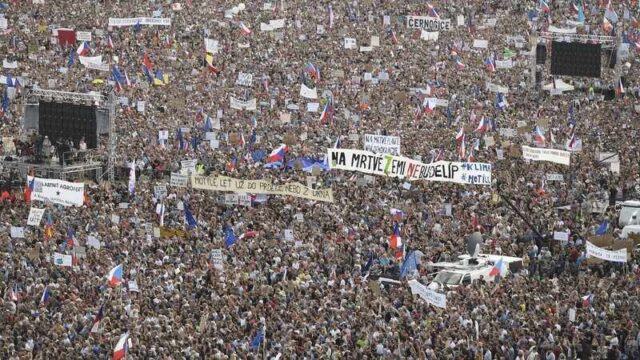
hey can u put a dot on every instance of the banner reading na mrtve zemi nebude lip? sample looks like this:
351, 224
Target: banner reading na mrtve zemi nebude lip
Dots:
406, 168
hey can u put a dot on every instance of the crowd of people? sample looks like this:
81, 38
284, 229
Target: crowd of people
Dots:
298, 278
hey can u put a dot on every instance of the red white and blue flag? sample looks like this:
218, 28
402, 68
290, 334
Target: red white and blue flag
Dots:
277, 154
83, 49
115, 276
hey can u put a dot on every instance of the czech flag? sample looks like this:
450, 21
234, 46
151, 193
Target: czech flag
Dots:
13, 294
544, 7
392, 35
538, 136
498, 268
459, 64
109, 42
44, 299
587, 300
122, 347
462, 149
147, 62
489, 65
231, 165
277, 154
396, 240
97, 320
244, 30
471, 158
482, 125
619, 88
432, 11
83, 49
431, 105
460, 136
115, 276
327, 112
397, 213
313, 71
29, 189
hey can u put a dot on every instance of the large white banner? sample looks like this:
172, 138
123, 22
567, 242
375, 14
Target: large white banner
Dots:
382, 144
428, 23
402, 167
99, 67
428, 295
84, 60
62, 259
242, 105
542, 154
57, 191
116, 22
604, 254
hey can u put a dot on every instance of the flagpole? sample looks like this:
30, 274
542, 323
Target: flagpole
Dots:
264, 341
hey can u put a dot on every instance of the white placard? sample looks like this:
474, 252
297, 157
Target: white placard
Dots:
402, 167
237, 199
83, 35
497, 88
242, 104
504, 64
62, 260
604, 254
9, 65
17, 232
375, 41
288, 235
217, 258
308, 93
350, 43
118, 22
428, 295
561, 235
211, 46
178, 180
98, 67
188, 166
551, 155
480, 44
428, 23
429, 35
313, 107
244, 79
608, 157
93, 242
380, 144
555, 177
35, 216
507, 132
163, 135
615, 168
57, 191
140, 105
460, 20
132, 285
160, 191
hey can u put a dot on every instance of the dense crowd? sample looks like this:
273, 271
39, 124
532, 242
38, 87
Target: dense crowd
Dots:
314, 294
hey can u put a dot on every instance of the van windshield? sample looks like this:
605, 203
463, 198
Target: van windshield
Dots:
447, 278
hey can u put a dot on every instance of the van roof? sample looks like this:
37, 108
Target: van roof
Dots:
631, 203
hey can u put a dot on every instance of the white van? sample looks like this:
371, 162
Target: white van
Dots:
629, 213
457, 277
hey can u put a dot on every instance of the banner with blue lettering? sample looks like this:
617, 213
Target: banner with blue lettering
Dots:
406, 168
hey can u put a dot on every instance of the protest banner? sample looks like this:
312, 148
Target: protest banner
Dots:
84, 60
504, 64
402, 167
607, 255
428, 295
294, 189
561, 235
237, 199
382, 144
118, 22
160, 191
35, 216
62, 260
428, 23
242, 104
555, 177
429, 35
217, 259
99, 67
9, 65
57, 191
188, 166
608, 157
83, 35
178, 180
542, 154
